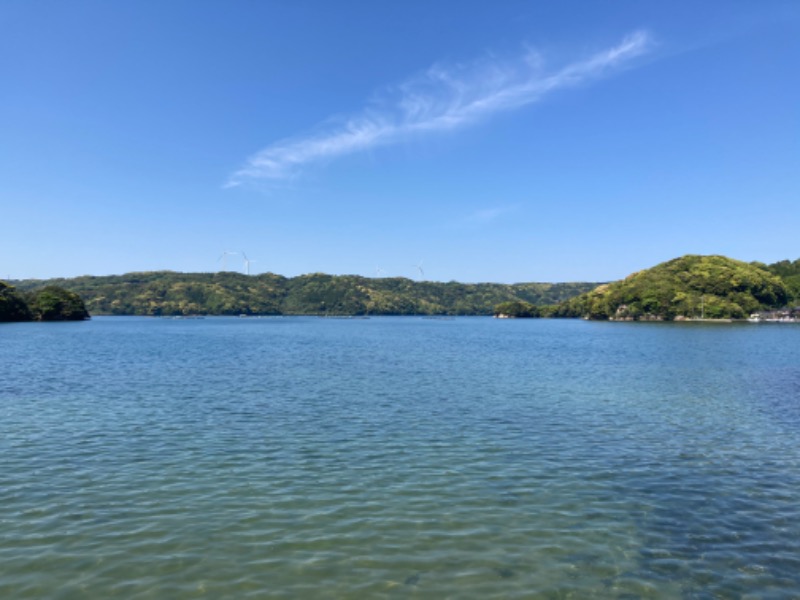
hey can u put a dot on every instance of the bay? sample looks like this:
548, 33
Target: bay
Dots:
398, 457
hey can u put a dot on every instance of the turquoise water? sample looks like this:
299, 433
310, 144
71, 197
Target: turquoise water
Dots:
398, 458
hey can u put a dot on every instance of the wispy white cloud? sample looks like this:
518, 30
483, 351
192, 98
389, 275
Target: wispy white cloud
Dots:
441, 99
486, 215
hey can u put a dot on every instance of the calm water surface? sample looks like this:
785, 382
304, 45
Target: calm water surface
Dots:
398, 458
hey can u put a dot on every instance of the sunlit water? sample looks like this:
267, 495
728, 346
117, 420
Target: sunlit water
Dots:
398, 457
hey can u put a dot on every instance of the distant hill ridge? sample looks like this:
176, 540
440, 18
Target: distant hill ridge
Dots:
227, 293
692, 286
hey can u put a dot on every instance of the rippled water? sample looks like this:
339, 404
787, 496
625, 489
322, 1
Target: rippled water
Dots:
398, 457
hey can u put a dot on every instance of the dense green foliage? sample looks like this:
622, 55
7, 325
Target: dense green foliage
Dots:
227, 293
12, 306
515, 309
789, 272
53, 303
49, 303
692, 286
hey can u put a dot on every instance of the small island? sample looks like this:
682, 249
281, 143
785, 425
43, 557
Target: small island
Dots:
50, 303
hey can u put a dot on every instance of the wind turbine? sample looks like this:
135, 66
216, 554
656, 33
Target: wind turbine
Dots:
419, 268
224, 259
247, 262
379, 271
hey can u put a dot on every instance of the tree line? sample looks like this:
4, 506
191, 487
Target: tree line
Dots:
167, 293
691, 286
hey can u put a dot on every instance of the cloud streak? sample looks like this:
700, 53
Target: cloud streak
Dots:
440, 99
487, 215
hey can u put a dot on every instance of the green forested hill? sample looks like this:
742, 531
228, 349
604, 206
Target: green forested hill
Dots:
692, 286
227, 293
45, 303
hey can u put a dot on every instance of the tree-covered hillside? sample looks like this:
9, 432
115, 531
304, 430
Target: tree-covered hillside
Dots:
688, 287
227, 293
789, 272
692, 286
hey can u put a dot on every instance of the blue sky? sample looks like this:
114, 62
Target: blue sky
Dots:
503, 141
